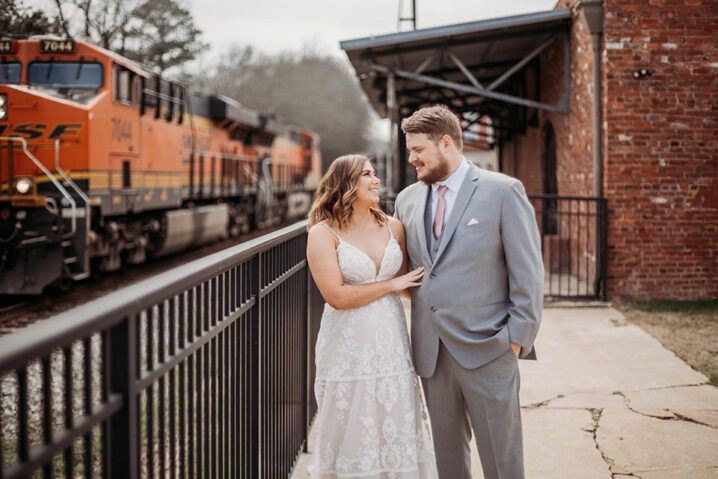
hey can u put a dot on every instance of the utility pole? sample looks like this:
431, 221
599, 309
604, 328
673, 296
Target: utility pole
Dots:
411, 19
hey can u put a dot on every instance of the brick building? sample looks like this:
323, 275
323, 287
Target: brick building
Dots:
654, 155
659, 142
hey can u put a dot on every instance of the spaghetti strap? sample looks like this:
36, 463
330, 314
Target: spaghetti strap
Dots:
332, 230
391, 233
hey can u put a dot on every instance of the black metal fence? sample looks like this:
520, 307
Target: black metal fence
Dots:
573, 243
203, 371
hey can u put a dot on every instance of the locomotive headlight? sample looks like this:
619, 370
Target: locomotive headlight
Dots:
23, 185
3, 107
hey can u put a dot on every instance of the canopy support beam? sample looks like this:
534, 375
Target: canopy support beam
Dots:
476, 88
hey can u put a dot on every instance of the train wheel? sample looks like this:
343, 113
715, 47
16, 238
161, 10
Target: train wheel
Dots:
96, 267
238, 221
64, 283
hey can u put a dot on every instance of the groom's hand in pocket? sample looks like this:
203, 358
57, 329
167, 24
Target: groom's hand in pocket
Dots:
516, 349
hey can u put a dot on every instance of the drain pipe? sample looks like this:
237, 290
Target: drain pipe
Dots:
592, 13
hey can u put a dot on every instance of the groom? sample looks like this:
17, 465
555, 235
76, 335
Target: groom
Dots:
478, 308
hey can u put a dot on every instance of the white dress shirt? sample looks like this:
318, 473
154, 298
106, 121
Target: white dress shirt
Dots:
453, 183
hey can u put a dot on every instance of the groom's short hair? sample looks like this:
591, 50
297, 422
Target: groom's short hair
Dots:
434, 121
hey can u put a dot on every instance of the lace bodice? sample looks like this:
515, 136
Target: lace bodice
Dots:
357, 267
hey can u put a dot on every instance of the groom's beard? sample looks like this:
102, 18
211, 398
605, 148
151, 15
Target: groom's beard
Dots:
439, 171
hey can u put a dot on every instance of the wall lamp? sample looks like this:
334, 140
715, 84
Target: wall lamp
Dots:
642, 73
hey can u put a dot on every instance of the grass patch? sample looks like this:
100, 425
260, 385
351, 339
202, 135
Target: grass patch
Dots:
688, 329
703, 306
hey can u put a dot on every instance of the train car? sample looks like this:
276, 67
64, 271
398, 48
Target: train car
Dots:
105, 163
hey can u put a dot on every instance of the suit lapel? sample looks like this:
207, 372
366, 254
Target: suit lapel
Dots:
419, 230
462, 201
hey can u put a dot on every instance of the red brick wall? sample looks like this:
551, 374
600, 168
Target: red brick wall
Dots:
522, 159
574, 149
660, 143
574, 132
661, 148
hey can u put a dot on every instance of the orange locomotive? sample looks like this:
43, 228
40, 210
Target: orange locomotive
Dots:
103, 162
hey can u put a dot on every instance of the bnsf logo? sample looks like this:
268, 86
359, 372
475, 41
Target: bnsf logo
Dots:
31, 131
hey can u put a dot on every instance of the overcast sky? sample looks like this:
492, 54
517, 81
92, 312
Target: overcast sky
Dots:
278, 25
275, 25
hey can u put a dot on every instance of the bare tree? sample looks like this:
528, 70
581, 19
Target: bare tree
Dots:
62, 21
164, 34
159, 33
102, 22
303, 88
18, 19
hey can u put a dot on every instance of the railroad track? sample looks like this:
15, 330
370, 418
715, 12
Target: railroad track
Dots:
11, 304
18, 312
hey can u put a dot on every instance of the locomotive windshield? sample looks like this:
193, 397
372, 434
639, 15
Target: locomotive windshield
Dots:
77, 81
10, 72
65, 75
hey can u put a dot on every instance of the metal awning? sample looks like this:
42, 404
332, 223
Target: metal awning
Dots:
487, 71
475, 61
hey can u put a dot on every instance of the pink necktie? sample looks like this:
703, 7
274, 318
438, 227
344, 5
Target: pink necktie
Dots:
439, 215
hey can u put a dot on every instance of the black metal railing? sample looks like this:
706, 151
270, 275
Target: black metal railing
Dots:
203, 371
573, 243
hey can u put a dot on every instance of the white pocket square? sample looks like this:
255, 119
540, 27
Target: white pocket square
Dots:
472, 222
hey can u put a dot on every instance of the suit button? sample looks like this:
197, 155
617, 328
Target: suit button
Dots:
433, 309
432, 275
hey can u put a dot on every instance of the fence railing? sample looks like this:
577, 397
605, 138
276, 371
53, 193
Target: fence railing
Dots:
573, 244
203, 371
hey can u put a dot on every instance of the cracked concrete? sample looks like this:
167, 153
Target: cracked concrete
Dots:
606, 400
654, 448
654, 416
698, 403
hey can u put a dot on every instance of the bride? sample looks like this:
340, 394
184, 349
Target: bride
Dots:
371, 420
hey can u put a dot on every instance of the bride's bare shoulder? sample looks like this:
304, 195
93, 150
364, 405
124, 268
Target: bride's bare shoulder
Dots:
321, 233
396, 227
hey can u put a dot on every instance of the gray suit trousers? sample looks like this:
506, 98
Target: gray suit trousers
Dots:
488, 396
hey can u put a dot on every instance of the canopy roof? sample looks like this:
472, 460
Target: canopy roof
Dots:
470, 66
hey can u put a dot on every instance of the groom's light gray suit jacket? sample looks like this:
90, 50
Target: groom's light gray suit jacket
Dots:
484, 286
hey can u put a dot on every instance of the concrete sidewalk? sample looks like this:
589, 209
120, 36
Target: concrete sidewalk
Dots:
606, 400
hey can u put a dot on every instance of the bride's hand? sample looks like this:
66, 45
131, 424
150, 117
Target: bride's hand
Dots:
408, 280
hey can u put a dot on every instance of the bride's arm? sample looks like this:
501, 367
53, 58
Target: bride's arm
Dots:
323, 263
398, 229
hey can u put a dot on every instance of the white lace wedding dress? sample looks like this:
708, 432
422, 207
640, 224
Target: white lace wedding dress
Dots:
372, 422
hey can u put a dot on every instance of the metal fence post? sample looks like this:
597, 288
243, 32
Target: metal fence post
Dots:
123, 437
306, 376
255, 280
604, 248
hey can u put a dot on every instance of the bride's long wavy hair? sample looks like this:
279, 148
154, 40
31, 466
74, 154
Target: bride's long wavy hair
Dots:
337, 191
